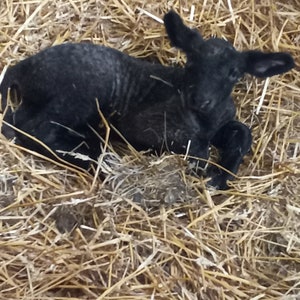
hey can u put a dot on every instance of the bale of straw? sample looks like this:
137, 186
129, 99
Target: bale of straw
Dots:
149, 231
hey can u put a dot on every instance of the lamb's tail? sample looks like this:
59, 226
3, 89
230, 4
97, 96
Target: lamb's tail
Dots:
9, 88
5, 83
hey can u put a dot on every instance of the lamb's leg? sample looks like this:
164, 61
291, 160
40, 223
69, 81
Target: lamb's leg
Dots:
233, 141
60, 139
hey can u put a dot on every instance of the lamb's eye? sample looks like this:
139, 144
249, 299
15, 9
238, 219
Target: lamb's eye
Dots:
234, 74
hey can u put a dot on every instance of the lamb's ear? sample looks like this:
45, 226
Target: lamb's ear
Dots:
267, 64
180, 35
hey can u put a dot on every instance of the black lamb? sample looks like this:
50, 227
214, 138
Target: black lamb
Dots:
183, 110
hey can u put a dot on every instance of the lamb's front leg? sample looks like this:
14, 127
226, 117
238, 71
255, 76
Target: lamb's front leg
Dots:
233, 141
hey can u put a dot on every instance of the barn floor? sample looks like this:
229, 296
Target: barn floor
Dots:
150, 231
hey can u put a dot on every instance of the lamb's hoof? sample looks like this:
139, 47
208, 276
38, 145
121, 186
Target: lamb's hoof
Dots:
218, 179
219, 182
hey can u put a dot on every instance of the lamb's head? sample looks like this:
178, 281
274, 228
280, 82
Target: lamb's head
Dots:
214, 66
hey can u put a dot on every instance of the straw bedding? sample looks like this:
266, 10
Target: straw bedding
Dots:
149, 230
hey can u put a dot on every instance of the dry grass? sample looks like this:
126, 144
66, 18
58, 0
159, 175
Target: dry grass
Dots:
150, 231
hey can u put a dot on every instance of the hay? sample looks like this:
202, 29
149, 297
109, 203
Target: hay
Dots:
150, 231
